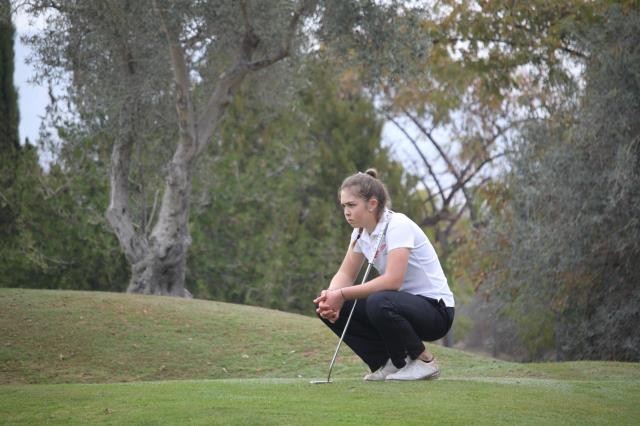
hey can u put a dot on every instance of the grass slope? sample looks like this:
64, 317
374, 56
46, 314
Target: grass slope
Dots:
65, 355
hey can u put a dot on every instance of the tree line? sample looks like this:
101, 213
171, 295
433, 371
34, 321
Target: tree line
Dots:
206, 144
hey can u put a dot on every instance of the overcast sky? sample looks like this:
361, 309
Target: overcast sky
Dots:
32, 99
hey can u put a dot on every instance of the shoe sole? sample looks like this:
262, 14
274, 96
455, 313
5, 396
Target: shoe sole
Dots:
433, 376
430, 377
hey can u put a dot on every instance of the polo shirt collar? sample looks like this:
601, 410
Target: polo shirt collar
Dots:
386, 216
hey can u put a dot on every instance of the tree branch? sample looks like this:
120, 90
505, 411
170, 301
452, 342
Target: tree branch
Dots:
456, 218
451, 167
118, 214
229, 80
430, 197
133, 245
153, 212
460, 180
184, 104
285, 50
420, 153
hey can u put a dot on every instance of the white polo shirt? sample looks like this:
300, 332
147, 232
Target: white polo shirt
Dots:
424, 274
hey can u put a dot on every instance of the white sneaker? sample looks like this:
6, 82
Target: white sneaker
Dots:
382, 372
416, 370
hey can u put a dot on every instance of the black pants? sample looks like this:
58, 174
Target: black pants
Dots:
391, 325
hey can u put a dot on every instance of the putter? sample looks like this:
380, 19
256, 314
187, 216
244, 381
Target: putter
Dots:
346, 326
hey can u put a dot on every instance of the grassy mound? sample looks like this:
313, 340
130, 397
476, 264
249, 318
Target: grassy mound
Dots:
64, 356
90, 337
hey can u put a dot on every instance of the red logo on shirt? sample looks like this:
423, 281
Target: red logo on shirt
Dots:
380, 250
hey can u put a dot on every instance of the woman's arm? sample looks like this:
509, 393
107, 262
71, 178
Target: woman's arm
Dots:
330, 302
348, 271
344, 277
397, 262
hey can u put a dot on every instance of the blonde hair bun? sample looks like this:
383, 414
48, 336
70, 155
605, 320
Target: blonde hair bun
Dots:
372, 172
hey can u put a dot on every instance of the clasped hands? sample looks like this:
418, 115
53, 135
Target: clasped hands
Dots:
329, 304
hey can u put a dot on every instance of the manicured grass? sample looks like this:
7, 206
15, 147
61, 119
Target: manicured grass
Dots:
78, 358
346, 401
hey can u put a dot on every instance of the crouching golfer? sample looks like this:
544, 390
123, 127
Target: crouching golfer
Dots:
408, 303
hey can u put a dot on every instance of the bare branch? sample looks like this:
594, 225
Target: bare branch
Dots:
501, 131
420, 153
445, 157
460, 180
430, 196
461, 184
456, 217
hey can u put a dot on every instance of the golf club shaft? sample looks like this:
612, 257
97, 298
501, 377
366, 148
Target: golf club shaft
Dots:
353, 307
346, 326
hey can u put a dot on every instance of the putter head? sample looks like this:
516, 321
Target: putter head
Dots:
320, 382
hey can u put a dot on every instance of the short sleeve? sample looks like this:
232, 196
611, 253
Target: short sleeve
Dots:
400, 234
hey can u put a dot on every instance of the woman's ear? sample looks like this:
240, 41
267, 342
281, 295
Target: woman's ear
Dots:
372, 204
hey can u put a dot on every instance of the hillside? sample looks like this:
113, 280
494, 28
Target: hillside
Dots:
65, 355
92, 337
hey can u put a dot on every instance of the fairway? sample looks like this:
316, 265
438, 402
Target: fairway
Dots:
104, 358
274, 401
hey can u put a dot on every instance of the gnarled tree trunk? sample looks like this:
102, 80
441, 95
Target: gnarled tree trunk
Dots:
158, 262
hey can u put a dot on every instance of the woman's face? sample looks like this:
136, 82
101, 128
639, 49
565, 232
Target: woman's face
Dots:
358, 212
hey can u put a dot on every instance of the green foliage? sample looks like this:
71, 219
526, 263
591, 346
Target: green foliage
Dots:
382, 41
9, 141
569, 269
127, 75
488, 68
504, 48
61, 239
267, 228
9, 114
266, 225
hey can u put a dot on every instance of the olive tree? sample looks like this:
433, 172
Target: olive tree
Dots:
159, 75
154, 78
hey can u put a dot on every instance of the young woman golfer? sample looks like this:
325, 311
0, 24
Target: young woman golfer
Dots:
408, 303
